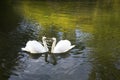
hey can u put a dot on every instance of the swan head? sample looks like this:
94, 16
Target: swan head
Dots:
44, 38
54, 39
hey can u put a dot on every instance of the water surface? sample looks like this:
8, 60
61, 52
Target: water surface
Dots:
93, 26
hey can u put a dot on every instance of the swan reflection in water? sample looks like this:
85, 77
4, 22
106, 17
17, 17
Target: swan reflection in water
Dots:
35, 47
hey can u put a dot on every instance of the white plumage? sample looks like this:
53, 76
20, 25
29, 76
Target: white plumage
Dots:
62, 46
34, 46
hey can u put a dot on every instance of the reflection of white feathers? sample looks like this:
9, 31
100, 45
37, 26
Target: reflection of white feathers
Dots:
36, 47
62, 46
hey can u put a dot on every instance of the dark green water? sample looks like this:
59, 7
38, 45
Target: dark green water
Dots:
93, 26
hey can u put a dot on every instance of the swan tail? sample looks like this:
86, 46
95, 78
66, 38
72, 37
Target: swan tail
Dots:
72, 46
23, 49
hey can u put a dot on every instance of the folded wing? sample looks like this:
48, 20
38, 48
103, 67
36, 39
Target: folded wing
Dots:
63, 46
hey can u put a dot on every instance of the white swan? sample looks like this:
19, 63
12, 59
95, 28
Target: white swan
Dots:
36, 47
62, 46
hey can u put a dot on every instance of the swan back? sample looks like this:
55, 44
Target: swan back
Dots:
34, 47
63, 46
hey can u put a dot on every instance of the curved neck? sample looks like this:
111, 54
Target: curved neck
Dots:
53, 45
45, 44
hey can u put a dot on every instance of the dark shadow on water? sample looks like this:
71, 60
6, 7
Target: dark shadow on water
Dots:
9, 19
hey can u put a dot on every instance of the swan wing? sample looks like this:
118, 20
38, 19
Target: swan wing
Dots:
34, 47
37, 47
28, 47
63, 46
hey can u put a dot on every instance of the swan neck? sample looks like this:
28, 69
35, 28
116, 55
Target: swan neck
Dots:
53, 45
45, 44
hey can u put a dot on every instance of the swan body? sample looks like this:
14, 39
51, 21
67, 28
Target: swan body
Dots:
62, 46
34, 46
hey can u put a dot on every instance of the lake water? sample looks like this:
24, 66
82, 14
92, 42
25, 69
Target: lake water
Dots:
93, 26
